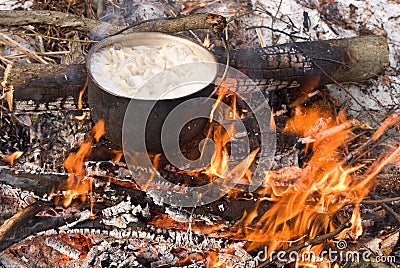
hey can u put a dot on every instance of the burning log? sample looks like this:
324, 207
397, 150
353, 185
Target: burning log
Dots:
121, 217
107, 186
277, 67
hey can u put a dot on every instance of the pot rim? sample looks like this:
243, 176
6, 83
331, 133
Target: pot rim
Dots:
133, 38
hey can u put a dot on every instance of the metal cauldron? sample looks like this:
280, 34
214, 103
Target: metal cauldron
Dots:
111, 106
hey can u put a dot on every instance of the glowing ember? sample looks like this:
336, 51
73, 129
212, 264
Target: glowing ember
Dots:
78, 184
11, 158
165, 221
212, 260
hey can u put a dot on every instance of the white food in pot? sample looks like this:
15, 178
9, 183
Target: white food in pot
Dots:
128, 71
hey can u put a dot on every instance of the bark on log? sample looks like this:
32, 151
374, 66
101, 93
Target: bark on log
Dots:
99, 30
344, 60
41, 87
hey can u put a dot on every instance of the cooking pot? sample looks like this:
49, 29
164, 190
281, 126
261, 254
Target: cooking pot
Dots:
111, 104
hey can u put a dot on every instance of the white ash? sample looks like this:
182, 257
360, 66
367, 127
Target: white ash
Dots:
177, 215
83, 263
84, 215
13, 200
124, 207
122, 214
61, 246
126, 70
9, 260
121, 221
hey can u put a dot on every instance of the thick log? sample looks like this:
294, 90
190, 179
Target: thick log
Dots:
25, 223
40, 184
344, 60
41, 87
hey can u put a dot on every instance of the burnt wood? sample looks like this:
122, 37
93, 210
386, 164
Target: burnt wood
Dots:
120, 188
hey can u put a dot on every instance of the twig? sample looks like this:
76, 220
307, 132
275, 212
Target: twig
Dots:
59, 38
346, 90
273, 21
391, 211
99, 7
380, 201
50, 53
387, 208
332, 131
364, 152
12, 43
239, 16
102, 29
315, 241
277, 30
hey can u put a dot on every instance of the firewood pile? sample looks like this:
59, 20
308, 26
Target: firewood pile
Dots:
329, 193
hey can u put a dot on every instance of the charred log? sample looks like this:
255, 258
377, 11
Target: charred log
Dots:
343, 60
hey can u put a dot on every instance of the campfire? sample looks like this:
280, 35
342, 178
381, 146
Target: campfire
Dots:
288, 166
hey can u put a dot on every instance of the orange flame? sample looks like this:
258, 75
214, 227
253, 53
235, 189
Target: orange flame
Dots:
306, 198
220, 159
117, 155
80, 97
12, 157
207, 41
212, 260
219, 165
78, 184
356, 228
98, 130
